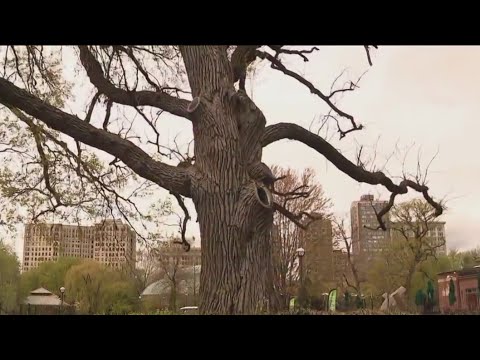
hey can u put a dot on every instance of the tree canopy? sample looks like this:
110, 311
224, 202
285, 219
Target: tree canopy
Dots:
9, 275
47, 143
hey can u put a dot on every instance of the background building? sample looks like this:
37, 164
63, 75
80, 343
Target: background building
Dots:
173, 253
111, 243
367, 242
465, 286
114, 243
318, 244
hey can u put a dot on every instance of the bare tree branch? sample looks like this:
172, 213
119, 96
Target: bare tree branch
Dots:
161, 100
277, 65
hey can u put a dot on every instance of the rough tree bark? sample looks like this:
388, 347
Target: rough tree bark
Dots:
234, 214
228, 183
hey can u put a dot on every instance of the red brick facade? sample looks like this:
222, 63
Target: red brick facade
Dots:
466, 290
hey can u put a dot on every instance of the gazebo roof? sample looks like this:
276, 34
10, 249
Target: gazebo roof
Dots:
40, 291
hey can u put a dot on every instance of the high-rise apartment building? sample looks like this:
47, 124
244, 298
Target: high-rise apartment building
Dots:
114, 243
318, 244
111, 243
365, 240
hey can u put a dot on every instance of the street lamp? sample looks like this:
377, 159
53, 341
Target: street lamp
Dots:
62, 291
301, 254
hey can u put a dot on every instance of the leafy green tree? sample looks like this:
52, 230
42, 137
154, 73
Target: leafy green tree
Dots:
427, 272
100, 290
456, 259
471, 257
85, 284
410, 227
387, 271
9, 279
49, 275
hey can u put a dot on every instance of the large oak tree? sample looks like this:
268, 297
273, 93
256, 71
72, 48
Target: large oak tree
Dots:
225, 178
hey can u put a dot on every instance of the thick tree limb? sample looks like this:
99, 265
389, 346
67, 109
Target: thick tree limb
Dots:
160, 100
295, 132
242, 57
169, 177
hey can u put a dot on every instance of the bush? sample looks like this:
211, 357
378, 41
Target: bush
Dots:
356, 312
158, 312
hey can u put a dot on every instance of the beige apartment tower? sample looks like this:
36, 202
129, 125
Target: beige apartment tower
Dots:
111, 243
367, 242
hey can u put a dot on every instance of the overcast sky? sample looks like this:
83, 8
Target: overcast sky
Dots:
423, 98
427, 96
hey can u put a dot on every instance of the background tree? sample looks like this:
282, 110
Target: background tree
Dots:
412, 222
100, 290
9, 279
225, 178
354, 275
146, 270
455, 258
470, 258
296, 193
169, 255
49, 275
386, 272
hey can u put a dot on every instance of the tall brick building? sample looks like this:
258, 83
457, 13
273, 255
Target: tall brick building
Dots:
319, 262
111, 243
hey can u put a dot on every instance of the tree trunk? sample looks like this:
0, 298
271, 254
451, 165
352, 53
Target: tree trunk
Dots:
233, 204
408, 283
173, 296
